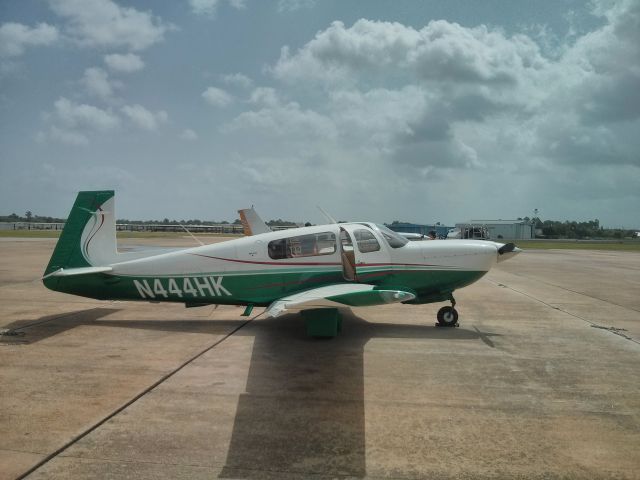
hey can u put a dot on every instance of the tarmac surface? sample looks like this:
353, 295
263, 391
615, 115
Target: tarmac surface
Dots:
541, 380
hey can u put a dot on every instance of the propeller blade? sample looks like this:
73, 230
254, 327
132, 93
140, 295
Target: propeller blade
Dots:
507, 248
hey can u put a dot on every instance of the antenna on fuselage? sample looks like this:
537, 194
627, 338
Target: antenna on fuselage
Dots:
327, 216
192, 235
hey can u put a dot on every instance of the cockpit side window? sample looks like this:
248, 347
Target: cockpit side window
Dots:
366, 241
392, 238
311, 245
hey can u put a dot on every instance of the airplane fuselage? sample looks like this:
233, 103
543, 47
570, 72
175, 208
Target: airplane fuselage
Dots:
263, 268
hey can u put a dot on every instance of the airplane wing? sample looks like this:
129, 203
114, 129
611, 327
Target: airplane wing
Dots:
252, 222
339, 295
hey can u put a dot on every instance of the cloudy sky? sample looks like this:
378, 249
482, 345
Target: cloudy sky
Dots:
376, 110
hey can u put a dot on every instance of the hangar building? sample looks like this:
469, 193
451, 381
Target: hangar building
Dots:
502, 229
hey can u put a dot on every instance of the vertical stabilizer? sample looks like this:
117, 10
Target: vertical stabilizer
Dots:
89, 235
252, 223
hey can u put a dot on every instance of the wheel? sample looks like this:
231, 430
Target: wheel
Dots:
447, 317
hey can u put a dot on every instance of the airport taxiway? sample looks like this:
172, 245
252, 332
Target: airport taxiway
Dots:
541, 380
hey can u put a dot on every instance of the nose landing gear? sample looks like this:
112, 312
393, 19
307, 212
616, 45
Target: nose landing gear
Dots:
448, 316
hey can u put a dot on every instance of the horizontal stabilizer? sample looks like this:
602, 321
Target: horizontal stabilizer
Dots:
339, 295
68, 272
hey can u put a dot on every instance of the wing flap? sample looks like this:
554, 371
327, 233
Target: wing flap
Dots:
339, 295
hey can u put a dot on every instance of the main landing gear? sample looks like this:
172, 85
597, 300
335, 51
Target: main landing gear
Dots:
448, 316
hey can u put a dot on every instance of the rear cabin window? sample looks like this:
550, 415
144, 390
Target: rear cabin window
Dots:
303, 246
366, 241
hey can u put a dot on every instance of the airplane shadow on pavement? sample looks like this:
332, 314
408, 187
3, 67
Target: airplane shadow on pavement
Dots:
303, 410
33, 331
302, 413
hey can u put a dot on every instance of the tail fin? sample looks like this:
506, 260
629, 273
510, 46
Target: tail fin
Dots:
252, 223
89, 235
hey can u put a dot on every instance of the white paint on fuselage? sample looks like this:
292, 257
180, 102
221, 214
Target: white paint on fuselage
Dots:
250, 254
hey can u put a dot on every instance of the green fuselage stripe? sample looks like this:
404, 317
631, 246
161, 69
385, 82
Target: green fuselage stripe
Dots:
259, 288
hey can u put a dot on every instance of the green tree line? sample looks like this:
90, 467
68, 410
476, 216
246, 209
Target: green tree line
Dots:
549, 228
31, 218
577, 230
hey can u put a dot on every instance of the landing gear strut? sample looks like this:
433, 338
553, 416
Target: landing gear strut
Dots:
448, 316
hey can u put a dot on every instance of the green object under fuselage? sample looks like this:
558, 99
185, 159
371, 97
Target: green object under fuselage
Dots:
322, 322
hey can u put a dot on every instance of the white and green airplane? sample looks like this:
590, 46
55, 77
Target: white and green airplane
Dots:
304, 269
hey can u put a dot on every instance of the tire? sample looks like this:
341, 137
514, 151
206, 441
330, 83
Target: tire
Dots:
447, 317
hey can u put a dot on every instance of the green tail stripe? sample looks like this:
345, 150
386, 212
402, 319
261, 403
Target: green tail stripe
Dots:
68, 251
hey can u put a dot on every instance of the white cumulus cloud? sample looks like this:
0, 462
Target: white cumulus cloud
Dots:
97, 82
189, 135
103, 23
128, 63
264, 96
397, 108
440, 51
143, 118
69, 137
210, 7
217, 97
293, 5
237, 79
453, 82
72, 123
285, 119
15, 38
85, 116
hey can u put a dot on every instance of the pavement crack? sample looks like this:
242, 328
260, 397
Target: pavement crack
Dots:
615, 331
567, 290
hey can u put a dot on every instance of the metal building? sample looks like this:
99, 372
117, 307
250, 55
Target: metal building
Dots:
502, 229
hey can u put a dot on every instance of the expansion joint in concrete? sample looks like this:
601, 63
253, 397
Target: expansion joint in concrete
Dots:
147, 390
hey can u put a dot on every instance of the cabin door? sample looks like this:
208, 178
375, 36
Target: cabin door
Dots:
364, 251
348, 256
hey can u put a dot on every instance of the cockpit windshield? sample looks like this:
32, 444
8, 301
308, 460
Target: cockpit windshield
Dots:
393, 239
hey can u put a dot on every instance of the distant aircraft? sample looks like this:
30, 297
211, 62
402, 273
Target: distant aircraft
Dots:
337, 265
431, 235
411, 236
472, 232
